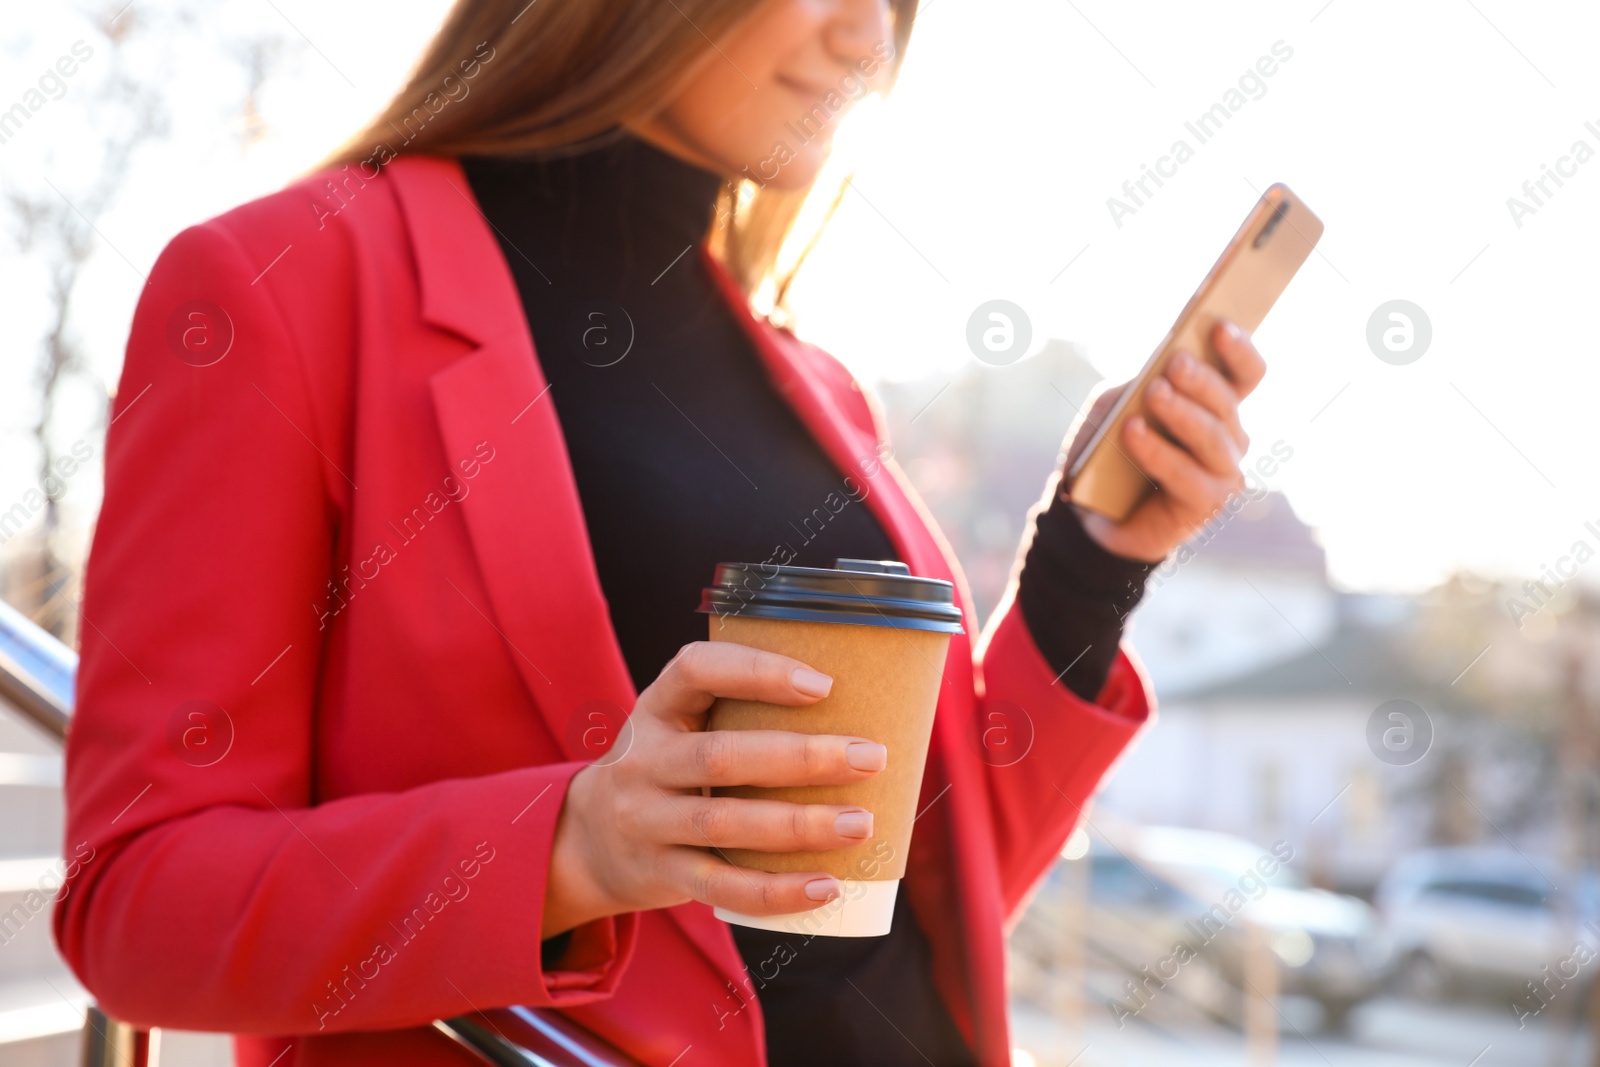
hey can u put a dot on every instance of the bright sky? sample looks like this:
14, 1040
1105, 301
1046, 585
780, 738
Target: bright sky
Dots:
1407, 127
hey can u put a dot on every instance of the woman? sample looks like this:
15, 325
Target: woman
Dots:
415, 473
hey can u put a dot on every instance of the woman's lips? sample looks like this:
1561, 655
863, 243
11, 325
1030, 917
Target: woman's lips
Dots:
812, 95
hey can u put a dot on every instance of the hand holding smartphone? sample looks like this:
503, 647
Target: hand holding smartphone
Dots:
1247, 279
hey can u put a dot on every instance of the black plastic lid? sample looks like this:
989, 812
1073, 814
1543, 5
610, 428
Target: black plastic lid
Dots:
862, 592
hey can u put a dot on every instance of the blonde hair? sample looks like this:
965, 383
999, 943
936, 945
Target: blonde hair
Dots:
552, 75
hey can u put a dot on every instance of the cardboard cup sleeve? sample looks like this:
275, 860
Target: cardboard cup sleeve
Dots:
882, 636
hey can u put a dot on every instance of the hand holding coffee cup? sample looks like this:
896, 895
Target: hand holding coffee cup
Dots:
882, 635
637, 833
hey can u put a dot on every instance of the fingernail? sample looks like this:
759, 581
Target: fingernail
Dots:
811, 683
1160, 389
853, 824
1183, 362
1233, 330
866, 755
823, 889
1136, 426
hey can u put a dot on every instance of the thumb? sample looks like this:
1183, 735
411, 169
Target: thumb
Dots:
1091, 422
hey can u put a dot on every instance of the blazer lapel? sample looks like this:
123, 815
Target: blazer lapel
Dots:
528, 534
523, 516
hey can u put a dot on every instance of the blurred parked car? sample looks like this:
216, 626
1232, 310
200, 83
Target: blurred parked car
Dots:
1128, 921
1465, 918
1329, 946
1152, 889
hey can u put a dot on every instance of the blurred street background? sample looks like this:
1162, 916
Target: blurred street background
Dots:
1364, 830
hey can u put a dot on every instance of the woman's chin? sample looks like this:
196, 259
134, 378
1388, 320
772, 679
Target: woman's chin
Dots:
787, 168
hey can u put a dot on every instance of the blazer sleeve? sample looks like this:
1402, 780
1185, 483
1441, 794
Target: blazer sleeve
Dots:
1039, 796
210, 889
1067, 744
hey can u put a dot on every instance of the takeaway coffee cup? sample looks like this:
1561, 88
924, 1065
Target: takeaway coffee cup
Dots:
882, 636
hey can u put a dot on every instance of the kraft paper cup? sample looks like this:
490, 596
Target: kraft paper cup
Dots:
882, 635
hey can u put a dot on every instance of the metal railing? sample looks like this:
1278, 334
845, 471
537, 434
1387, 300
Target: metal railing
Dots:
37, 674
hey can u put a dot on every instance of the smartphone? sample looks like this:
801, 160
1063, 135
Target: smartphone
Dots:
1252, 272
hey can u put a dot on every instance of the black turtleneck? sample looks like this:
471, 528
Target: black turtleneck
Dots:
683, 454
684, 457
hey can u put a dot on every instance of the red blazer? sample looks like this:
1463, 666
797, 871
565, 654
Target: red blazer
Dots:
340, 631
